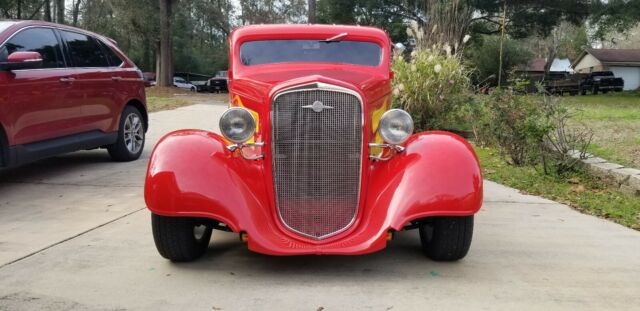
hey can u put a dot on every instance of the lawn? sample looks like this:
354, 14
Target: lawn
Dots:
580, 190
166, 98
615, 119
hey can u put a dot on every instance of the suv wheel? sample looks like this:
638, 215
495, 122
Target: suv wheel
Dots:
180, 239
131, 136
446, 238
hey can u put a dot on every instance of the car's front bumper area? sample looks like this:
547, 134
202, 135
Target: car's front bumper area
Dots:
192, 174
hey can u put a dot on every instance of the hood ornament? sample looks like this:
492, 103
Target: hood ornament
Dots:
317, 106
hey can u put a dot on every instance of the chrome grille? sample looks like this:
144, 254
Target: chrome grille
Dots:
317, 160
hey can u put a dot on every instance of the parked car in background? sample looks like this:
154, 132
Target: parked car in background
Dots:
64, 89
216, 85
562, 83
601, 81
184, 84
312, 159
149, 78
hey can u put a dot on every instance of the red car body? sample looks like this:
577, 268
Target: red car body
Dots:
436, 175
48, 111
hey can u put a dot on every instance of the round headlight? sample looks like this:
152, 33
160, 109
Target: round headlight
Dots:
396, 126
237, 125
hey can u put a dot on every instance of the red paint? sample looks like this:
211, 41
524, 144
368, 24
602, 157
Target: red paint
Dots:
191, 173
42, 104
19, 57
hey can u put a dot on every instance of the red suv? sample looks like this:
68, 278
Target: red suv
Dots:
63, 89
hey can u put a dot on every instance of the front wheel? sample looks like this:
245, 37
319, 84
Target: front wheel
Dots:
131, 136
446, 238
180, 239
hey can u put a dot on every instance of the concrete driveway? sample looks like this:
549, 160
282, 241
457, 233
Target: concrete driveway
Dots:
74, 235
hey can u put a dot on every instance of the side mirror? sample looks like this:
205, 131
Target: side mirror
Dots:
22, 60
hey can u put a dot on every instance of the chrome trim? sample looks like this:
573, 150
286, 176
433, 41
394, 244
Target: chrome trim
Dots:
319, 86
395, 150
241, 146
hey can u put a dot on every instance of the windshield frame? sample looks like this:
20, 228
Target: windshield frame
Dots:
379, 63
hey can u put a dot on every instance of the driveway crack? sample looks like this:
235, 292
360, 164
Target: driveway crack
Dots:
71, 238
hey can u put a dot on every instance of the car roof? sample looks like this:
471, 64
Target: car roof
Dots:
310, 30
26, 23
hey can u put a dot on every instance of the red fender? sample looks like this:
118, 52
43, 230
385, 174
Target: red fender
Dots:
437, 175
191, 173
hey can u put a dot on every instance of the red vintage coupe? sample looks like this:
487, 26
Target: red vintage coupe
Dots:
312, 160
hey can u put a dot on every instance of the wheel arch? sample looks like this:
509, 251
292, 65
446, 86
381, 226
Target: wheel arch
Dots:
4, 146
142, 108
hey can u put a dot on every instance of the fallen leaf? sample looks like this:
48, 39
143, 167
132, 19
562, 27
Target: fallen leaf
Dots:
574, 180
578, 189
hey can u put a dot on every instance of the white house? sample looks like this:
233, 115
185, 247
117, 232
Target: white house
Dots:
624, 63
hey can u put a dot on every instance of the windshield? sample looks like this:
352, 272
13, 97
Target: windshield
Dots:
305, 51
5, 25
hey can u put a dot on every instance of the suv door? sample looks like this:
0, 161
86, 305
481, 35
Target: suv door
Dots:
95, 85
37, 108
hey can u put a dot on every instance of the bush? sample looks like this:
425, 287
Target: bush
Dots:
484, 55
516, 125
564, 146
432, 86
530, 130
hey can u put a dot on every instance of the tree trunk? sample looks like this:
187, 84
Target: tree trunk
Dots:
76, 11
165, 76
60, 11
146, 55
47, 10
19, 3
312, 11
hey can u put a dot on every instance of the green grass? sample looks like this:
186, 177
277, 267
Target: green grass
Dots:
606, 107
155, 103
615, 120
579, 190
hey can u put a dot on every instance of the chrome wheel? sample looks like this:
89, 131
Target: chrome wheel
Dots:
133, 133
199, 232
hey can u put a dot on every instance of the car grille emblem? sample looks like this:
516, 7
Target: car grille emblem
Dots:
317, 106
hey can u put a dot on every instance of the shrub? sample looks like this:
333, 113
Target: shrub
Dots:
516, 125
531, 129
484, 55
564, 146
432, 86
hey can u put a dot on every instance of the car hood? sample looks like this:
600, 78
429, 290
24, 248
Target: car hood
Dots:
263, 84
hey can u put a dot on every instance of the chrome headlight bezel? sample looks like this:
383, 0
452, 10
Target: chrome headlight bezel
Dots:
396, 126
237, 124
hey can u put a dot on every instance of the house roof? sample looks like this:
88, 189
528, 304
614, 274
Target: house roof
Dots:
537, 65
613, 56
616, 55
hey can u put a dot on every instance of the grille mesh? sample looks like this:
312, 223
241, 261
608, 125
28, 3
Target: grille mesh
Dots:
317, 160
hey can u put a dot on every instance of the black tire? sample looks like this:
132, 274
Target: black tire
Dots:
175, 237
446, 238
4, 153
594, 91
583, 92
120, 151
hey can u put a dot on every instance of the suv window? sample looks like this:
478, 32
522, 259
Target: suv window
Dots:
41, 40
85, 51
113, 57
301, 51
